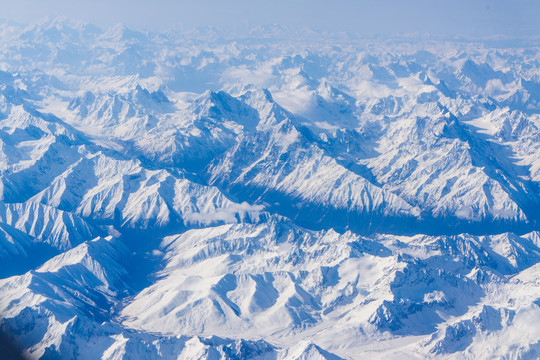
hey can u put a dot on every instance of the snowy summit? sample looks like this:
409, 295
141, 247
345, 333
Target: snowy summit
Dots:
190, 195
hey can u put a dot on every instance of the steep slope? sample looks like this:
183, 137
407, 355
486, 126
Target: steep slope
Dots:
20, 252
124, 193
269, 164
59, 229
52, 311
271, 195
285, 284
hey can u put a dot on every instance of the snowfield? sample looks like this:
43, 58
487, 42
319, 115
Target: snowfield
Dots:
194, 195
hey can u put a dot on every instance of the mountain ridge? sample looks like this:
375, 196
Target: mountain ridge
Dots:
186, 194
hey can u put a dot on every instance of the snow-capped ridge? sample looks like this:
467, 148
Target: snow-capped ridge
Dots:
289, 197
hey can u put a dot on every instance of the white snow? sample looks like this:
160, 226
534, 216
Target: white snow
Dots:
276, 195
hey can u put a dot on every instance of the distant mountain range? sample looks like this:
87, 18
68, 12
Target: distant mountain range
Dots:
195, 196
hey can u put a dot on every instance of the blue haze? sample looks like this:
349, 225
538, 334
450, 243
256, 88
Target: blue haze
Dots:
517, 18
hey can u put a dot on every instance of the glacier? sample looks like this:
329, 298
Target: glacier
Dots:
193, 194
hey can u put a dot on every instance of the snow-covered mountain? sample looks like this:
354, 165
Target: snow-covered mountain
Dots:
189, 194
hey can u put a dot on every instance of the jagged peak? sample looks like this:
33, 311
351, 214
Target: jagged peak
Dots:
309, 350
56, 28
121, 32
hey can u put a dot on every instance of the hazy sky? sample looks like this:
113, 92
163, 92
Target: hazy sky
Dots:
467, 17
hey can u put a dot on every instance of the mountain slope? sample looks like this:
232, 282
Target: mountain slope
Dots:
271, 194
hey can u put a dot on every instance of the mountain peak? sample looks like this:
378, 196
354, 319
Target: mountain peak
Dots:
328, 196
